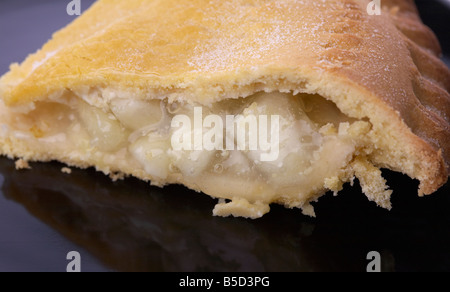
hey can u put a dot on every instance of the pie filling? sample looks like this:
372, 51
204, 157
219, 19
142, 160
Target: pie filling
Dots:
248, 152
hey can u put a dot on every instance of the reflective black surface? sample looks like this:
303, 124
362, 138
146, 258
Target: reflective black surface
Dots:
130, 226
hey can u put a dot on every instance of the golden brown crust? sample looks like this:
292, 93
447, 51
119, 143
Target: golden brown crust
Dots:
406, 18
384, 68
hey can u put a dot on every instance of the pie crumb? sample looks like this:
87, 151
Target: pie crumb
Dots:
66, 170
117, 176
22, 164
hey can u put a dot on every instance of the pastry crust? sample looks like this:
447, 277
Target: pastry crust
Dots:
384, 69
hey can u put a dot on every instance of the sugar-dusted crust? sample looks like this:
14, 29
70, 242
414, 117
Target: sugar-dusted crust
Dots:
382, 68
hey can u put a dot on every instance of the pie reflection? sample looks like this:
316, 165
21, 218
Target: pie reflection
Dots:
131, 226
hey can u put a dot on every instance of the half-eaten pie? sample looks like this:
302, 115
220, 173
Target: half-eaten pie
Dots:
352, 93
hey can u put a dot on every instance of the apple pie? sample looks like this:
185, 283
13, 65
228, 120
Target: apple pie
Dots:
352, 93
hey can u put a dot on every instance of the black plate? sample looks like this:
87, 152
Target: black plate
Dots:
130, 226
